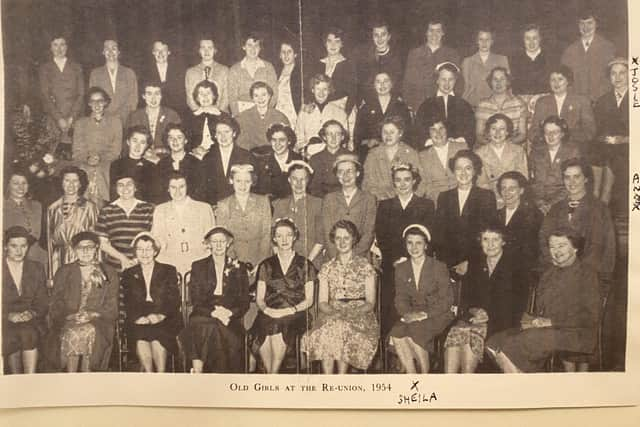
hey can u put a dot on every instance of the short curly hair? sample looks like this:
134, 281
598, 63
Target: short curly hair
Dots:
347, 225
81, 174
475, 160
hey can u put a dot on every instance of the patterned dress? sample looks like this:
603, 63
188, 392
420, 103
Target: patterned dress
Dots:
346, 334
78, 339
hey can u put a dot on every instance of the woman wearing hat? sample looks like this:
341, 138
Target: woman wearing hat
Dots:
219, 287
304, 209
377, 168
272, 168
285, 292
349, 203
24, 302
423, 299
68, 216
83, 311
491, 301
152, 301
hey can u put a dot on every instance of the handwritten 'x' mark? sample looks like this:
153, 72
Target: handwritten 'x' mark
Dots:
635, 61
414, 385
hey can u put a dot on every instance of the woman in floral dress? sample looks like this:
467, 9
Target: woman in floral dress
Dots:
347, 330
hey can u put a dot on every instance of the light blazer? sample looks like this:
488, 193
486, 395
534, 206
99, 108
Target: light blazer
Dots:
361, 211
513, 159
377, 169
235, 289
576, 110
219, 75
590, 68
437, 178
166, 116
475, 72
433, 294
62, 92
125, 99
547, 185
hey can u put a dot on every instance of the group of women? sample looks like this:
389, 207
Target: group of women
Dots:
336, 230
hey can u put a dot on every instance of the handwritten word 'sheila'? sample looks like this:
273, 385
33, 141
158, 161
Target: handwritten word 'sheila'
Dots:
416, 398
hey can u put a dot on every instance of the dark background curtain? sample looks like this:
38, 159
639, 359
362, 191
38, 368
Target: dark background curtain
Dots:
29, 24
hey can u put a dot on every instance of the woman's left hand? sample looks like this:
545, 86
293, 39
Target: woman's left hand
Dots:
461, 269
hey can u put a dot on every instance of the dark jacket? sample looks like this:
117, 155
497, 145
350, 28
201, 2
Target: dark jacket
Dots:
344, 81
189, 167
271, 179
173, 88
295, 83
461, 121
214, 184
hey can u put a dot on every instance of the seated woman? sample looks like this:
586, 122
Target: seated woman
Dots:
83, 311
219, 288
492, 300
152, 301
24, 302
179, 224
178, 160
255, 121
501, 101
423, 300
377, 167
385, 103
285, 292
347, 330
272, 169
565, 317
547, 185
201, 125
500, 155
68, 216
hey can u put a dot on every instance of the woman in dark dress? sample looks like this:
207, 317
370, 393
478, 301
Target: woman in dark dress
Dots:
24, 302
423, 299
178, 160
83, 311
201, 125
385, 103
491, 301
285, 292
461, 213
392, 217
219, 288
152, 301
565, 318
272, 169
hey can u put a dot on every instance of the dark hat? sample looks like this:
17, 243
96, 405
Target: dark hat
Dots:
218, 229
18, 231
85, 235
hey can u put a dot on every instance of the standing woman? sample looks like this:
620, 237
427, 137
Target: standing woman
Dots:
245, 73
500, 155
461, 213
202, 124
377, 167
19, 209
385, 103
392, 217
285, 292
68, 216
289, 82
493, 299
341, 70
477, 67
25, 303
152, 300
347, 330
178, 160
219, 287
179, 224
83, 310
423, 300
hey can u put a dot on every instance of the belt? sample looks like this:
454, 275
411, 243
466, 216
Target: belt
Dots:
351, 299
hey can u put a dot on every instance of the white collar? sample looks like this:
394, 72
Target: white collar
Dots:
533, 55
259, 63
340, 59
588, 41
118, 203
405, 203
351, 194
440, 93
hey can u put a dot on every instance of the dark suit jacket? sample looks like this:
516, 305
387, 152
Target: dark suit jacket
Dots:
144, 173
235, 289
295, 83
173, 87
195, 124
368, 121
370, 64
214, 184
166, 116
271, 179
456, 233
34, 292
164, 291
611, 119
189, 167
501, 295
345, 81
522, 234
391, 220
576, 110
461, 121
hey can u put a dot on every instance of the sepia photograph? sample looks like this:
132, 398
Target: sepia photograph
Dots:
336, 204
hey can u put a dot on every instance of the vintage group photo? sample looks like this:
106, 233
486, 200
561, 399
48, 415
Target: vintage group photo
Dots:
315, 187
